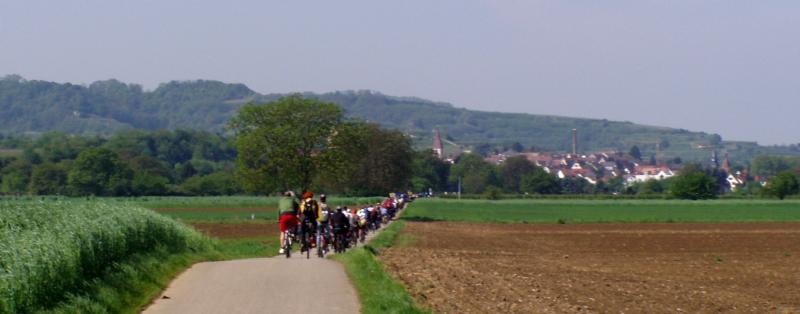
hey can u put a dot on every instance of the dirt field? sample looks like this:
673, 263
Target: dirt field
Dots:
606, 268
233, 231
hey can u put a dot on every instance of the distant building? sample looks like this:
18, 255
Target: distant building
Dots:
438, 148
726, 165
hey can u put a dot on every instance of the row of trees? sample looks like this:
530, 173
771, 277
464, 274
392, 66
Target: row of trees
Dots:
128, 163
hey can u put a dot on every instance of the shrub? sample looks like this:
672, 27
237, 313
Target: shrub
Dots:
492, 193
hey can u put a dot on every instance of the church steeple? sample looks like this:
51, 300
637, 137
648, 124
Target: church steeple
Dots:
726, 165
438, 148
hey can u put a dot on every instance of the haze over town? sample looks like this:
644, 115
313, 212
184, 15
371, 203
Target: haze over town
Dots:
727, 67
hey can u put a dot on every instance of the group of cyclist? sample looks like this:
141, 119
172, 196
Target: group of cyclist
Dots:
314, 224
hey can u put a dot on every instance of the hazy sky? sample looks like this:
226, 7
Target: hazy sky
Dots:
731, 67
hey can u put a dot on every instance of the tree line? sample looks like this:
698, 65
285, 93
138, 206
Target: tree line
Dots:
128, 163
303, 143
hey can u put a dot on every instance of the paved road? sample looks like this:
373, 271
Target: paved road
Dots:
260, 285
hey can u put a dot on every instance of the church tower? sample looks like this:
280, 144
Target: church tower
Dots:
438, 148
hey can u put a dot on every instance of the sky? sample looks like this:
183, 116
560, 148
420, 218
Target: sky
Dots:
729, 67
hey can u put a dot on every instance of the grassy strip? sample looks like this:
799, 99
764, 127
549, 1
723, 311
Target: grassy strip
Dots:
378, 292
600, 211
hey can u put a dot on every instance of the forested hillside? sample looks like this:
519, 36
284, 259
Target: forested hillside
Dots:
106, 106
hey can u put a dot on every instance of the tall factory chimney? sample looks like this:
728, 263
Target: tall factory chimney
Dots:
574, 141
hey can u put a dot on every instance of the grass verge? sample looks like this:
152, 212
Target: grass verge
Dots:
129, 286
378, 292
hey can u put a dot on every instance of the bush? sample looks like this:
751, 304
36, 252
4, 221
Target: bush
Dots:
492, 193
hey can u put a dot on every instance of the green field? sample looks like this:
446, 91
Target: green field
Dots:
604, 211
82, 256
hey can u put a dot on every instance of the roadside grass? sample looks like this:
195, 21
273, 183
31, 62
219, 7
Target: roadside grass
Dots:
603, 211
377, 290
129, 286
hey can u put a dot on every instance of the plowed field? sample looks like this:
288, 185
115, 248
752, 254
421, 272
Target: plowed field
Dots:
606, 268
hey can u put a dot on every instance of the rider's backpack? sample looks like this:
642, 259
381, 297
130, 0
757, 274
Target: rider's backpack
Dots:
308, 211
325, 214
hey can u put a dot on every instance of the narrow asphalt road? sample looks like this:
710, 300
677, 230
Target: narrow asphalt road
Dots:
260, 285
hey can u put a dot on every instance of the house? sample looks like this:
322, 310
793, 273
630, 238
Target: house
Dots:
735, 181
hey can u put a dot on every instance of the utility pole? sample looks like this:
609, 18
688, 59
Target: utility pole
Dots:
459, 187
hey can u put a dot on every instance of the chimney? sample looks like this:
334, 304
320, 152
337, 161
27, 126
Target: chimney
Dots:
574, 141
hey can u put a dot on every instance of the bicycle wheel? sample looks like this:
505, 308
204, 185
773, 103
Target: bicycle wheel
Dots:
287, 244
307, 244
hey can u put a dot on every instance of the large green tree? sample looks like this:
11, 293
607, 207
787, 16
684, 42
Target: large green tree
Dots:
513, 170
48, 179
694, 183
539, 181
363, 159
475, 173
99, 171
279, 142
783, 185
429, 172
15, 176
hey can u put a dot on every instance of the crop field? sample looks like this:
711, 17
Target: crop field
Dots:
604, 211
458, 267
54, 251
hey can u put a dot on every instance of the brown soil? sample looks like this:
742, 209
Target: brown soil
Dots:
606, 268
233, 231
248, 209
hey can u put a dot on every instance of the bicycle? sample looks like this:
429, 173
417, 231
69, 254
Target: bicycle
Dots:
288, 238
323, 240
352, 236
305, 230
338, 242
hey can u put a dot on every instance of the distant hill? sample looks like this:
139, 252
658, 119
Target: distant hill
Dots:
107, 106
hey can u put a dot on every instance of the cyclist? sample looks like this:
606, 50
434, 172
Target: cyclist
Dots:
373, 218
352, 218
287, 215
308, 215
340, 227
362, 223
323, 217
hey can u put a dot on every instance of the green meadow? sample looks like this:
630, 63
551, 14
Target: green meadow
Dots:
604, 211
